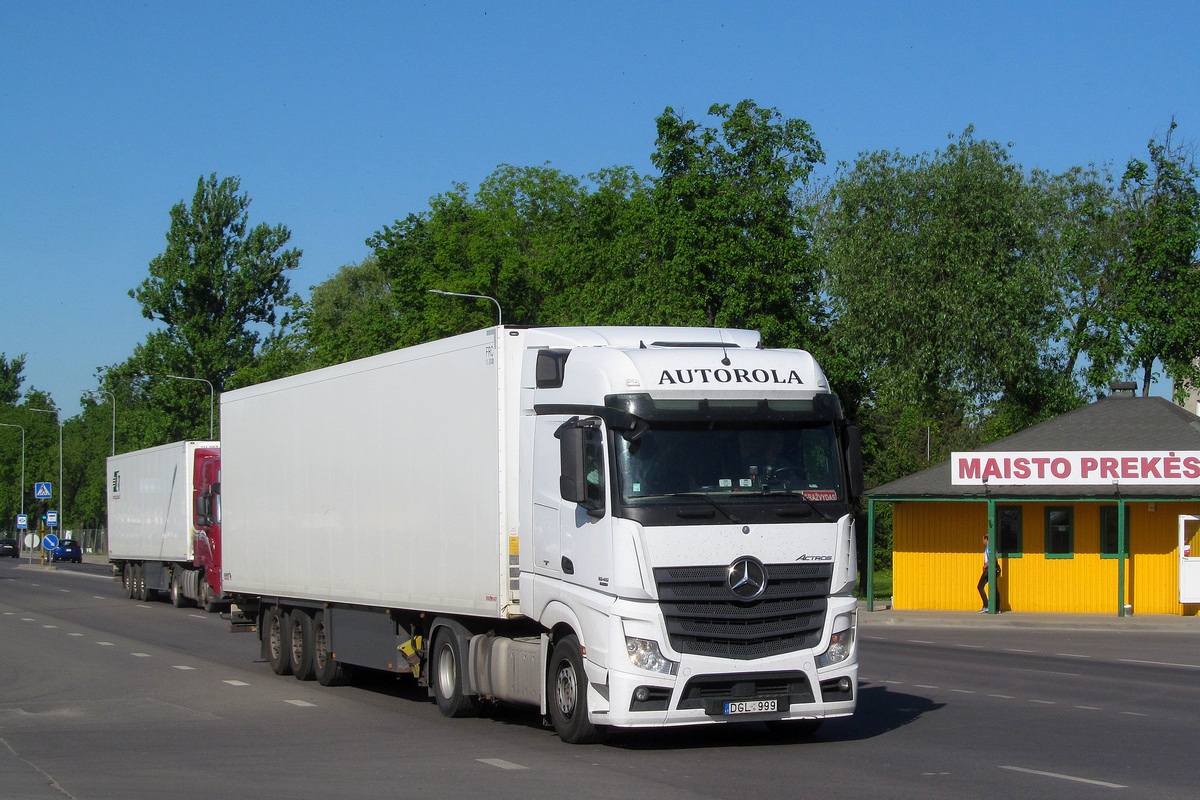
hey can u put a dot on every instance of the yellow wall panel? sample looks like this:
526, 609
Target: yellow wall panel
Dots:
938, 558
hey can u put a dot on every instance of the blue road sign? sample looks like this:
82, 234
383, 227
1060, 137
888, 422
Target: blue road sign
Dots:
22, 522
41, 491
52, 519
49, 541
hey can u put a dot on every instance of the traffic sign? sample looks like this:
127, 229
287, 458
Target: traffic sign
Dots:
41, 491
22, 522
52, 519
49, 541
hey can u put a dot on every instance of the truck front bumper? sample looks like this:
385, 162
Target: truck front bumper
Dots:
703, 690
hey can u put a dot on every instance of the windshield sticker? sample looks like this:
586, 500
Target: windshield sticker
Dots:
819, 495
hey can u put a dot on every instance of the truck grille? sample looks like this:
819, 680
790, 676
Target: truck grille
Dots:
703, 617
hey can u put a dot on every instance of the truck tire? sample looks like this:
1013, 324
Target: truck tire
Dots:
301, 651
329, 672
127, 580
566, 695
207, 601
178, 599
279, 645
447, 666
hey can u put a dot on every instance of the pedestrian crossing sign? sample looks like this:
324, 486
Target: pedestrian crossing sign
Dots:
41, 491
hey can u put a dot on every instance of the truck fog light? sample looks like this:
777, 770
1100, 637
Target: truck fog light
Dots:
841, 644
644, 654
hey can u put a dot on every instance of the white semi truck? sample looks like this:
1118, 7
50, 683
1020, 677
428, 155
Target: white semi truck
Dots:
162, 534
626, 527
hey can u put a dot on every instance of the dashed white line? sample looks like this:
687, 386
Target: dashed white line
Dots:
1044, 702
106, 644
1158, 663
236, 683
1062, 777
501, 763
140, 655
183, 667
302, 703
1089, 708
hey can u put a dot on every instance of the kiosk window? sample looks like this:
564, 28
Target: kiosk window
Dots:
1060, 532
1108, 531
1010, 541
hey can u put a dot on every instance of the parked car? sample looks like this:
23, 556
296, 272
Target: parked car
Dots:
9, 547
67, 550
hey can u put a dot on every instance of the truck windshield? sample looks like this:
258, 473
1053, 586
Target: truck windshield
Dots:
729, 462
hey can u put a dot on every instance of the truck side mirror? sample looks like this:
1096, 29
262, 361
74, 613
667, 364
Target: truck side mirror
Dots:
854, 461
202, 512
581, 478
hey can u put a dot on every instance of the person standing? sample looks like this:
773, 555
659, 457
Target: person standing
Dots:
983, 579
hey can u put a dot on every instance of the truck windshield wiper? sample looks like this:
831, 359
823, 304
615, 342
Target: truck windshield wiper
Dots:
707, 499
803, 499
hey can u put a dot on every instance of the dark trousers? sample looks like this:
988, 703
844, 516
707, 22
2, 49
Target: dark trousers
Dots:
983, 582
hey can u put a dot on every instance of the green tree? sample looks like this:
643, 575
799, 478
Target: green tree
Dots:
732, 244
1160, 279
11, 378
218, 282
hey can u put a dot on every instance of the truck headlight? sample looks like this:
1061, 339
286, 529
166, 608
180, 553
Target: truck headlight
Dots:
841, 645
644, 654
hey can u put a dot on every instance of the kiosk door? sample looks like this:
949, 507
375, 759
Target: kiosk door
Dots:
1189, 559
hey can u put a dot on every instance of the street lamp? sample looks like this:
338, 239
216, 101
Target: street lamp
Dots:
211, 396
60, 483
499, 312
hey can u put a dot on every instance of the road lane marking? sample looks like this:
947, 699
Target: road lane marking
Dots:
1062, 777
236, 683
106, 644
1015, 650
181, 666
302, 703
1158, 663
74, 634
501, 763
140, 655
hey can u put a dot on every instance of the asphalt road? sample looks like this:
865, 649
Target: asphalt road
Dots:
104, 697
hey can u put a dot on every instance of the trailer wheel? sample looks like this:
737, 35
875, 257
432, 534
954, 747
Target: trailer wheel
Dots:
279, 646
127, 582
446, 675
139, 582
329, 672
566, 695
301, 635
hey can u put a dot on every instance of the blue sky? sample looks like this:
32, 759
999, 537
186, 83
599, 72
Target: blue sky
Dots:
342, 117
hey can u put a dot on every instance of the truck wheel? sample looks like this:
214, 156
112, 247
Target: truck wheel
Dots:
329, 672
279, 645
447, 665
566, 695
178, 599
127, 582
207, 601
300, 625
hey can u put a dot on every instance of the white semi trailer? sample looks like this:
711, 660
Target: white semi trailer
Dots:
626, 527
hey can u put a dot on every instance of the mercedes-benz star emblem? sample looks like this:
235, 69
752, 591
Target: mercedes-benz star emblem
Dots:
747, 578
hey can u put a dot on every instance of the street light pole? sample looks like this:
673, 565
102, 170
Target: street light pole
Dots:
60, 464
211, 396
499, 312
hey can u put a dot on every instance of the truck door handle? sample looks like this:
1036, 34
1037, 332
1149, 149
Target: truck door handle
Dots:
567, 566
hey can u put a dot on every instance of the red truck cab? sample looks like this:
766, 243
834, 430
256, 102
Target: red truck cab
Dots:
206, 492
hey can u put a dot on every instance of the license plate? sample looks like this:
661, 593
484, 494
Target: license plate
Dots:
752, 706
